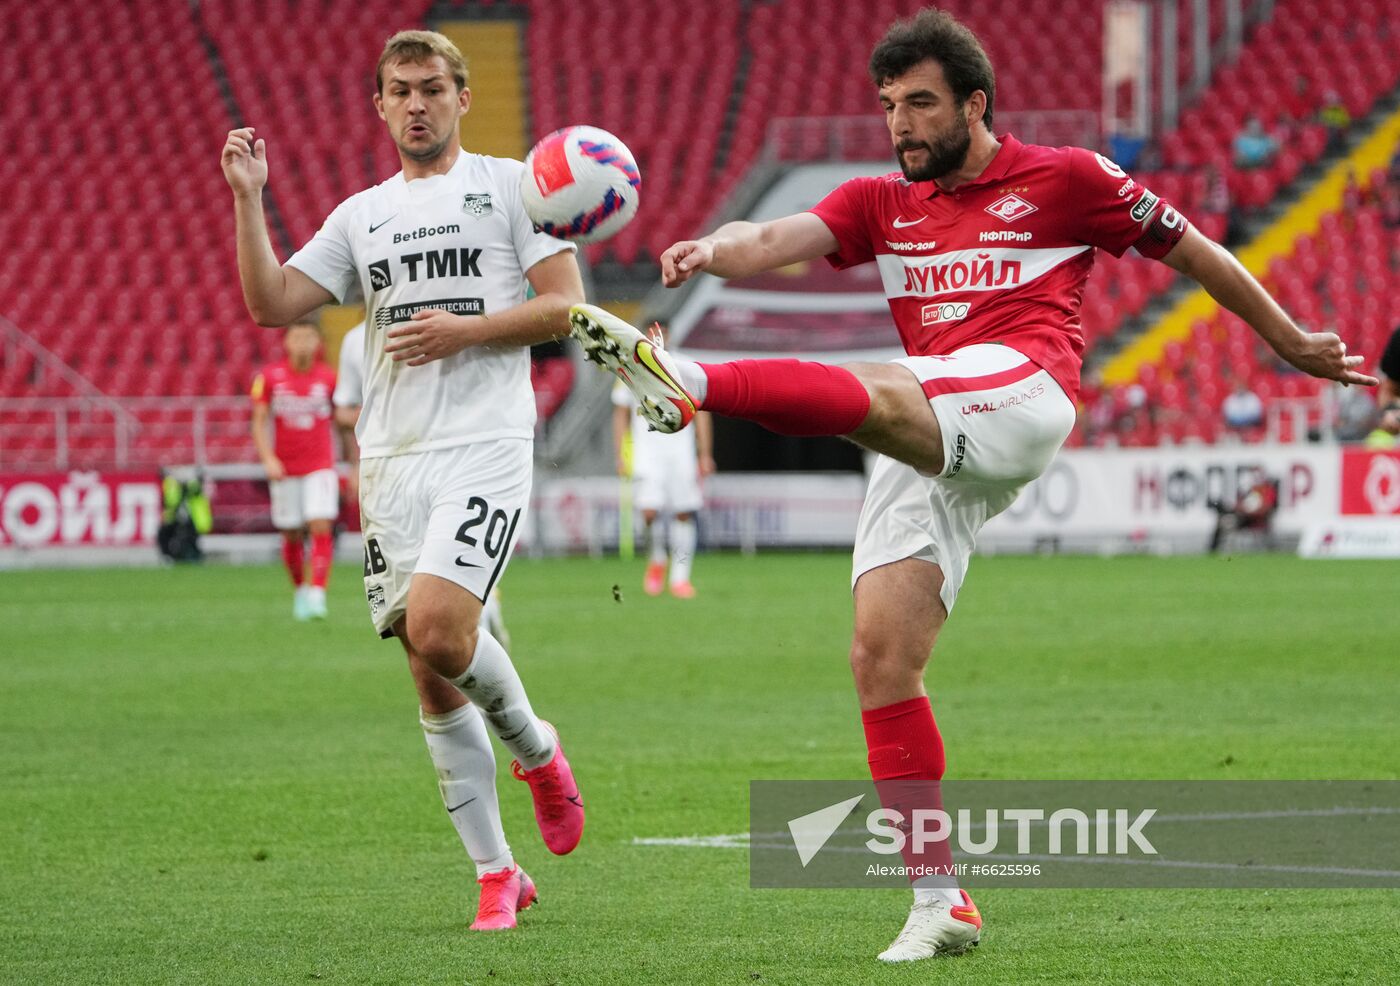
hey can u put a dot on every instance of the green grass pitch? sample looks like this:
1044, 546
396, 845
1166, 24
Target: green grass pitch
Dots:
194, 789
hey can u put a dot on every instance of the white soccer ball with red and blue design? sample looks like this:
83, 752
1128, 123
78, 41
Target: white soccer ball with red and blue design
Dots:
580, 184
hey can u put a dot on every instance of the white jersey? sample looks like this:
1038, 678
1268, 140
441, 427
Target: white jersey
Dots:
350, 377
460, 242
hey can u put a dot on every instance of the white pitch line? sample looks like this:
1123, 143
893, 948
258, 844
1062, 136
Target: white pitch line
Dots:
1223, 816
741, 841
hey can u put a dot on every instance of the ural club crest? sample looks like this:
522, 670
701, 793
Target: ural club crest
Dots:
477, 205
1010, 208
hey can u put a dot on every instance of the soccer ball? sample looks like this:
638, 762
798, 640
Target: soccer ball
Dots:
580, 184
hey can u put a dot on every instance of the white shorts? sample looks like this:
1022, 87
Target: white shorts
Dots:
454, 513
667, 483
1003, 419
298, 499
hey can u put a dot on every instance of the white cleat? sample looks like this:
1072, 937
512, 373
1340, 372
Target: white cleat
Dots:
639, 362
935, 928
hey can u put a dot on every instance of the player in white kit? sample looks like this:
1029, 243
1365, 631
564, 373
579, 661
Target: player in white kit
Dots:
666, 472
442, 253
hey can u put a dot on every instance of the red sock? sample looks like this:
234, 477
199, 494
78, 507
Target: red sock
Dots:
903, 741
787, 396
322, 548
293, 558
906, 761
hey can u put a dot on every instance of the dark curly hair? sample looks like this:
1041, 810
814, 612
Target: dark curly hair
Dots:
933, 34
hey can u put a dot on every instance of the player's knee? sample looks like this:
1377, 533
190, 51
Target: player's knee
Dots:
877, 662
868, 657
442, 645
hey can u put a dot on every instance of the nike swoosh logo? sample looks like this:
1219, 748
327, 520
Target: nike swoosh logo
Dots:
646, 357
899, 222
462, 805
389, 220
968, 914
467, 564
576, 799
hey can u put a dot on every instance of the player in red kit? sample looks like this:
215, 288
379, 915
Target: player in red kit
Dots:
984, 245
300, 460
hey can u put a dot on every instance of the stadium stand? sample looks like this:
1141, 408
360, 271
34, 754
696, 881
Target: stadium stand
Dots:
1343, 277
119, 260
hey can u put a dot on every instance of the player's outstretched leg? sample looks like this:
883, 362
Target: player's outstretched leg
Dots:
639, 362
787, 396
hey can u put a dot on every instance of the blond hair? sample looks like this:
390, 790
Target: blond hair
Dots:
417, 47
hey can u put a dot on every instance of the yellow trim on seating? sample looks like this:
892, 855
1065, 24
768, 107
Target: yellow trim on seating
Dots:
497, 122
1275, 241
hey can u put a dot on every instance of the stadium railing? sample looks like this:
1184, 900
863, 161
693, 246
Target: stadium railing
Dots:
100, 432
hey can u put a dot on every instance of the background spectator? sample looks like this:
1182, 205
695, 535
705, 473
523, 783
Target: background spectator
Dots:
1255, 147
1336, 118
1243, 409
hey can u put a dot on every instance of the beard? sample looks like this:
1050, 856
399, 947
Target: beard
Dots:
429, 153
946, 153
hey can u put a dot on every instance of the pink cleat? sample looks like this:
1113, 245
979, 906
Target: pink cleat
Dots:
683, 590
503, 893
558, 803
655, 579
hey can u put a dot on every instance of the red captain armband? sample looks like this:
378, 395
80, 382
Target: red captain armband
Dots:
1162, 232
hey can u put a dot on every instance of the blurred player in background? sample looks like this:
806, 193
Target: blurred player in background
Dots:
348, 397
299, 456
984, 245
666, 472
442, 253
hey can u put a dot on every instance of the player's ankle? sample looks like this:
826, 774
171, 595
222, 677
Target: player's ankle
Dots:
693, 379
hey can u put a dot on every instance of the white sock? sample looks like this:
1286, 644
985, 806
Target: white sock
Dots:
494, 687
657, 543
682, 550
466, 769
951, 896
693, 378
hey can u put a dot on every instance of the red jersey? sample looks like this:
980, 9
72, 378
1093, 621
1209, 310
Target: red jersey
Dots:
1003, 258
301, 414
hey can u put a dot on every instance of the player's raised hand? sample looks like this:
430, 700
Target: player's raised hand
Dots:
430, 334
684, 259
1323, 354
245, 162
